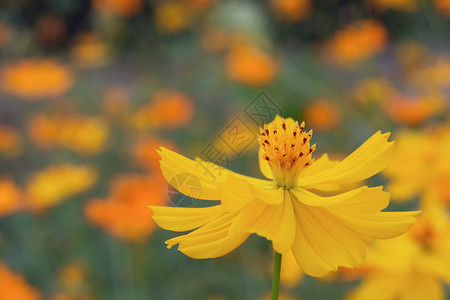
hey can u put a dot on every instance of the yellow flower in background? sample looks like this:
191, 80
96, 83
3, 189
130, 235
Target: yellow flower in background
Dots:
33, 79
13, 286
421, 165
412, 266
72, 280
375, 90
250, 65
431, 76
85, 135
173, 16
89, 51
323, 232
291, 274
10, 197
10, 142
357, 42
54, 184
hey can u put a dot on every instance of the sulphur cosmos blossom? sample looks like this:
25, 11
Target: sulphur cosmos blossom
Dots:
413, 266
323, 232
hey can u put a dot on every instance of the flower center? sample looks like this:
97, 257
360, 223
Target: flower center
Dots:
286, 148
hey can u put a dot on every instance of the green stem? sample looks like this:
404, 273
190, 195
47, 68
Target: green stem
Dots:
276, 276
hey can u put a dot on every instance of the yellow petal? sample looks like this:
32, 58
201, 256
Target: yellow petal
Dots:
319, 165
381, 287
381, 225
268, 194
369, 200
335, 243
366, 161
264, 166
237, 191
211, 240
274, 222
291, 274
423, 286
184, 219
203, 175
349, 197
305, 255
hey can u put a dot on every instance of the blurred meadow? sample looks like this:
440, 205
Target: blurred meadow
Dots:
90, 88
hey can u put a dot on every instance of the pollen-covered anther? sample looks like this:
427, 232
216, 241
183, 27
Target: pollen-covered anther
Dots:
286, 147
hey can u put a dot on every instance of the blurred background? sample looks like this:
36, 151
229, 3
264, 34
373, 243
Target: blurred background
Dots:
89, 89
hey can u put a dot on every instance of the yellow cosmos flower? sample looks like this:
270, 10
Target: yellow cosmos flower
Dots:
412, 266
54, 184
421, 165
323, 232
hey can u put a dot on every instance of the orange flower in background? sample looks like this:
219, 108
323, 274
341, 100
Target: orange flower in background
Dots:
13, 286
118, 7
85, 135
421, 166
357, 42
169, 108
65, 297
50, 29
413, 110
56, 183
5, 34
172, 108
249, 65
323, 114
44, 130
443, 6
89, 51
10, 141
10, 197
33, 79
413, 56
399, 5
291, 10
215, 39
116, 102
123, 213
144, 152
